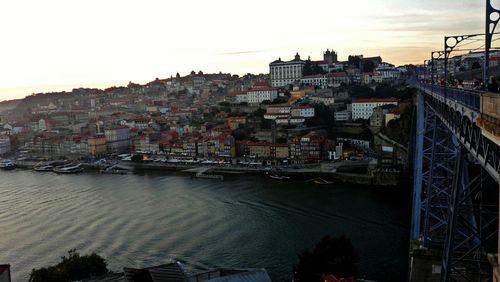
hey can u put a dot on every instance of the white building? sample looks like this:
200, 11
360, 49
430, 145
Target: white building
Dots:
302, 111
284, 114
338, 78
237, 97
372, 77
388, 71
284, 73
316, 80
363, 108
261, 94
4, 145
342, 116
42, 125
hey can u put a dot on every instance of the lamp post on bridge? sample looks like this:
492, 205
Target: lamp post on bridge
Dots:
426, 66
435, 55
450, 43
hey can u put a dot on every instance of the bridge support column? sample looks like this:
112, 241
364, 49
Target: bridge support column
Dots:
495, 260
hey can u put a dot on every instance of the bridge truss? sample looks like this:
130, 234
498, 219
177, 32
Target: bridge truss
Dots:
455, 205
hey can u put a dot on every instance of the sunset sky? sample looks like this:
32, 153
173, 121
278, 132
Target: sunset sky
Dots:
59, 44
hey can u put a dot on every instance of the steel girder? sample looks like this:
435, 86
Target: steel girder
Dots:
434, 159
452, 215
471, 223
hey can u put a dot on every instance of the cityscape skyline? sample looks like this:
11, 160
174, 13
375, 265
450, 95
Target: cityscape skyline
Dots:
59, 46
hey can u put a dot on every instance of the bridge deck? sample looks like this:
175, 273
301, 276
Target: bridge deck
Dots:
478, 132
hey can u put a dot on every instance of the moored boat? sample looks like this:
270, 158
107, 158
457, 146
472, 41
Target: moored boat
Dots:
44, 168
277, 177
7, 165
71, 168
322, 181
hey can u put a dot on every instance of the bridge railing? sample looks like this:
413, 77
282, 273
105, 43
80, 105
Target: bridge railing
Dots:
465, 97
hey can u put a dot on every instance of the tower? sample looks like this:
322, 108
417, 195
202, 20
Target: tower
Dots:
330, 56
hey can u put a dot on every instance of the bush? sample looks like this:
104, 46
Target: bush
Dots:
71, 268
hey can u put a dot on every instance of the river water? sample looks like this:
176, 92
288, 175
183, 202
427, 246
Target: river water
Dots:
143, 220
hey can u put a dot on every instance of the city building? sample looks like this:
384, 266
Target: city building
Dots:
302, 111
378, 117
388, 71
363, 108
339, 78
261, 94
284, 73
4, 145
97, 145
319, 80
342, 116
117, 139
392, 114
237, 97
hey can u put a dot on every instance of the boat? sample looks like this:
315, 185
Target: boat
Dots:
44, 168
7, 165
277, 177
114, 169
71, 168
322, 181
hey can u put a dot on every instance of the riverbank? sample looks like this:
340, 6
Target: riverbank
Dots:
354, 172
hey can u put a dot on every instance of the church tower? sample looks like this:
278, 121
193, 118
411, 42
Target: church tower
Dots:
330, 56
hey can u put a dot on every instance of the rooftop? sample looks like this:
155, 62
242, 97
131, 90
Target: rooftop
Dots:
175, 272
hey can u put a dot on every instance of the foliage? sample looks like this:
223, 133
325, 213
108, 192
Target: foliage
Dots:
259, 113
279, 100
312, 69
334, 256
71, 268
243, 132
399, 130
323, 116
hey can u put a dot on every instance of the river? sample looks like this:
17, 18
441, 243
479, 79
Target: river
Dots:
141, 220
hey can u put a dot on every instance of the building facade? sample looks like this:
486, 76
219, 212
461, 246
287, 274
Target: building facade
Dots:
363, 108
284, 73
4, 145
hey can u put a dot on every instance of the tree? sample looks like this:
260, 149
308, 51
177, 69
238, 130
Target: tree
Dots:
335, 256
71, 268
243, 132
323, 116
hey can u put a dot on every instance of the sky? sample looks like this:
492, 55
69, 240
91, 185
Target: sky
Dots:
55, 45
